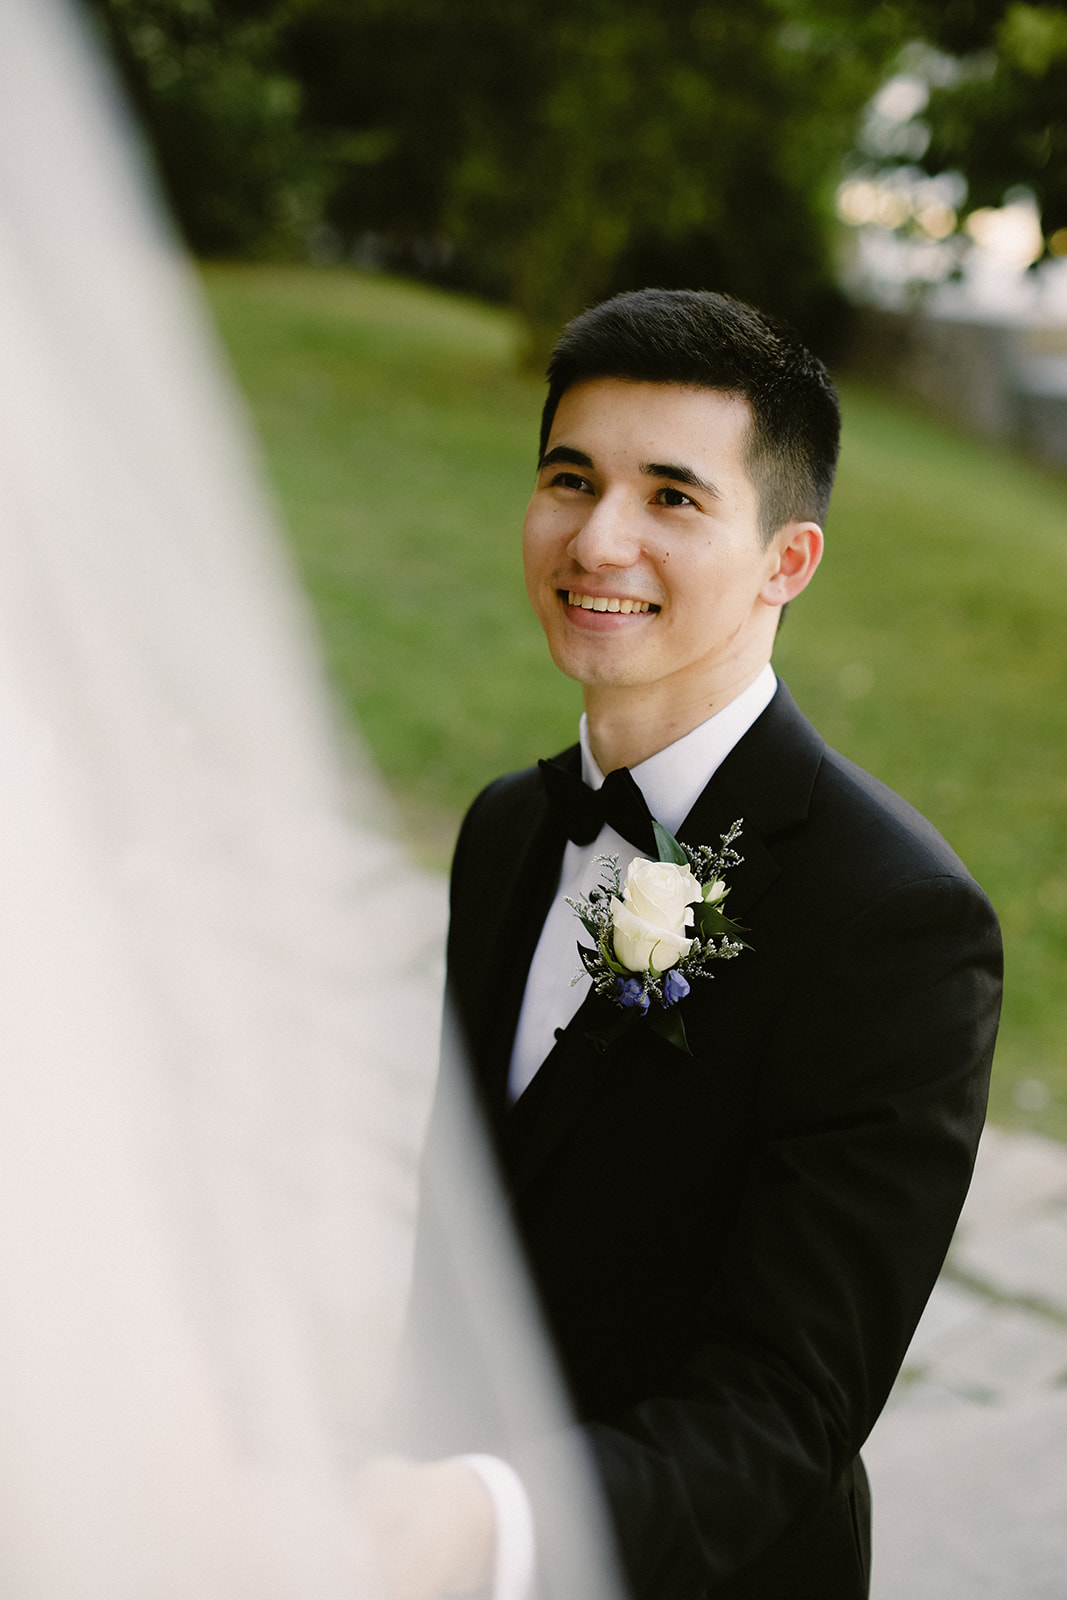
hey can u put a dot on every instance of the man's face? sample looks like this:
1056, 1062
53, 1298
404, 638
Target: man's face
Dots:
641, 543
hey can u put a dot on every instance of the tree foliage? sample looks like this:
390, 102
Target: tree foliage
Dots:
222, 116
1001, 119
564, 148
546, 152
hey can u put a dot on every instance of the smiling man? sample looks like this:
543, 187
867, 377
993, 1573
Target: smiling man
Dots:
735, 1180
646, 562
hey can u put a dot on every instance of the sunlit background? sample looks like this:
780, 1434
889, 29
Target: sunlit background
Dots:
397, 202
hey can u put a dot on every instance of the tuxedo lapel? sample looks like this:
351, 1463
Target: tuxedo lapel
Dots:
766, 781
524, 908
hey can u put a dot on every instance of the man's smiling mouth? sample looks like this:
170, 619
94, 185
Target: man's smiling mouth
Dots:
600, 602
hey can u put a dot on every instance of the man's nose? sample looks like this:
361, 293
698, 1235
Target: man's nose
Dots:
609, 536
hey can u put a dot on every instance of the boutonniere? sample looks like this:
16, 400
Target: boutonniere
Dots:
659, 929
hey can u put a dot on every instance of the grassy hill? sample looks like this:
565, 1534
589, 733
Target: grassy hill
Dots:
930, 649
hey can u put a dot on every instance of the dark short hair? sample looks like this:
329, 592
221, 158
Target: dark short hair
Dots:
704, 340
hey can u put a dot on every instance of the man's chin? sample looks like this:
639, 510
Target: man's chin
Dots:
596, 668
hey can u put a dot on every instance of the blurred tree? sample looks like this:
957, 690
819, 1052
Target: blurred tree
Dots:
1001, 118
388, 87
222, 118
547, 151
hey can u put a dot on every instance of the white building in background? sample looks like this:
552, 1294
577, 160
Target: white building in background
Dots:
961, 316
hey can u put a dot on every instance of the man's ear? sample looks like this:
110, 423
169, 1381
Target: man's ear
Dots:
798, 550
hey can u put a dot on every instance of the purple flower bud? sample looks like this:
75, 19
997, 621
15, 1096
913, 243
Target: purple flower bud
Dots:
675, 987
632, 993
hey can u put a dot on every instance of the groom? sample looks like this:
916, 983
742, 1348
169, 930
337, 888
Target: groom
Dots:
732, 1247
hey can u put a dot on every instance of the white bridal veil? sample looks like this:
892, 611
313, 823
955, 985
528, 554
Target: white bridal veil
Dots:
213, 1062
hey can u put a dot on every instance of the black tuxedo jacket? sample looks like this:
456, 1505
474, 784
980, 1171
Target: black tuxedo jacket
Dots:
732, 1249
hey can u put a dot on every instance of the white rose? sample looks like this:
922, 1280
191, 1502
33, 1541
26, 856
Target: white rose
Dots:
649, 922
639, 945
661, 893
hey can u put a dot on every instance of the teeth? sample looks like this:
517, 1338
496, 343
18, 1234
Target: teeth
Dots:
599, 602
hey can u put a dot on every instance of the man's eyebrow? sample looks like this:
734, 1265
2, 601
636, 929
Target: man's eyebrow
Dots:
679, 474
567, 454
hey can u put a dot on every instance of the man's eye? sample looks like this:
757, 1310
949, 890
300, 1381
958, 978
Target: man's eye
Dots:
569, 480
674, 497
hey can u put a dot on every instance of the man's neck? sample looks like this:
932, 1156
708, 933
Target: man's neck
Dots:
627, 726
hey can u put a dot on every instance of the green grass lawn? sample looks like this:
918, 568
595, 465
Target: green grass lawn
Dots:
930, 648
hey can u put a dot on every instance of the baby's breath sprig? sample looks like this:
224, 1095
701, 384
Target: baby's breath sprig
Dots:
709, 863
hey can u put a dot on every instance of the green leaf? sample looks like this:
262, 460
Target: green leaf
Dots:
668, 846
670, 1025
616, 966
710, 922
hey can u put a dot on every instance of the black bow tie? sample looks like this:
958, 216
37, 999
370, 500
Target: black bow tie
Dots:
582, 811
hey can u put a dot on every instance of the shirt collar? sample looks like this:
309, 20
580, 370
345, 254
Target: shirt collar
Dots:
672, 779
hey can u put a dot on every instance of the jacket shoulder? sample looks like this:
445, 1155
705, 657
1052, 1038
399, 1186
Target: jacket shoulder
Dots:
496, 835
834, 826
885, 840
505, 814
507, 796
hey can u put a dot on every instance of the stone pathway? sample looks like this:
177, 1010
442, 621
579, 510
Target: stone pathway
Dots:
968, 1464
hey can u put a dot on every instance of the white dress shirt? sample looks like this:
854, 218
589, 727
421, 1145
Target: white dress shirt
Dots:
671, 782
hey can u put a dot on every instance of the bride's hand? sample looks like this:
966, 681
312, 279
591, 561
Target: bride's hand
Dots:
429, 1527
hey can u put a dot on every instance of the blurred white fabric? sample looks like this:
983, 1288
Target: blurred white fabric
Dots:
210, 1100
219, 975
